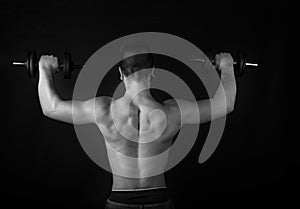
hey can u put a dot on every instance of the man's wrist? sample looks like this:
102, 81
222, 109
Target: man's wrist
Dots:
45, 72
229, 72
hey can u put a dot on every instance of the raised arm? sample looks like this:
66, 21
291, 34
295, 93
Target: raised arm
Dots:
202, 111
76, 112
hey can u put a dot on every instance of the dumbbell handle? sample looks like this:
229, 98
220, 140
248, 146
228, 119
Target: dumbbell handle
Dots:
234, 62
77, 66
60, 66
251, 64
19, 63
248, 64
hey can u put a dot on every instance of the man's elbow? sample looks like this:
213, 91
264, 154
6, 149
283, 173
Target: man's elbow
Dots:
48, 112
50, 107
230, 109
230, 106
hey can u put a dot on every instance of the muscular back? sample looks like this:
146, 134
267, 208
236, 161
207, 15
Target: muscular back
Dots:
133, 131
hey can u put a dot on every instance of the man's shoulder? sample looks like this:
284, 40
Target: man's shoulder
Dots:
170, 103
103, 99
103, 102
172, 106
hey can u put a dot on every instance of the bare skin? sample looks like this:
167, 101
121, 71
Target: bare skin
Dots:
117, 133
130, 121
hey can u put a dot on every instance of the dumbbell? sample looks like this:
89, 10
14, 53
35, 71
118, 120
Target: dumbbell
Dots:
240, 65
31, 65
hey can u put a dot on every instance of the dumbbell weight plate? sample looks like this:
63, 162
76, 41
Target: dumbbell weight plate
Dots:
32, 64
240, 64
243, 61
27, 64
210, 54
67, 65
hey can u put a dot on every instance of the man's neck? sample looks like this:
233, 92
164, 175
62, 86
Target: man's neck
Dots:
137, 90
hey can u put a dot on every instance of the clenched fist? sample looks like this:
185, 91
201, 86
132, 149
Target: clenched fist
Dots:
224, 62
48, 63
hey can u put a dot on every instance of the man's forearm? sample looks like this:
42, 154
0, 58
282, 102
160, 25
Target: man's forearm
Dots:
229, 85
226, 88
46, 90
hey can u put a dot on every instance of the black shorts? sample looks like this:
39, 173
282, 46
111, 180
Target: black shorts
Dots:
151, 199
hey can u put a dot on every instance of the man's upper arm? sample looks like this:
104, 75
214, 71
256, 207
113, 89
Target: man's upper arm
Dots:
78, 112
196, 112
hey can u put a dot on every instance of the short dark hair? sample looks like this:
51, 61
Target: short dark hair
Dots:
141, 57
136, 63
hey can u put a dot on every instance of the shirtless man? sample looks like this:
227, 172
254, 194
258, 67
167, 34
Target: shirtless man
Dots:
136, 116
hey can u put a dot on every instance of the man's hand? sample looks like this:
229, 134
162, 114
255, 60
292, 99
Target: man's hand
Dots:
224, 62
48, 63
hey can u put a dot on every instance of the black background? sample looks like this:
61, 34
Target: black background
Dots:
42, 162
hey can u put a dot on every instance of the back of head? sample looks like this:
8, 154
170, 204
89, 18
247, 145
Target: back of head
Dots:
136, 56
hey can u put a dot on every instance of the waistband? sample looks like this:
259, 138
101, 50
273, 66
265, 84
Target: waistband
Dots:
148, 196
166, 204
139, 189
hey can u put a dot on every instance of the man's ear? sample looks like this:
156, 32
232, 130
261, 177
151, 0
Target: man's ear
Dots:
152, 73
121, 74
